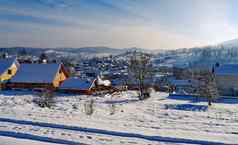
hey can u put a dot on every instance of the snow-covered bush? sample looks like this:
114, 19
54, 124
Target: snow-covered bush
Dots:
75, 106
45, 99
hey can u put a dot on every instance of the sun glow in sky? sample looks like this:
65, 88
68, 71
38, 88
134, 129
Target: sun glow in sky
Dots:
154, 24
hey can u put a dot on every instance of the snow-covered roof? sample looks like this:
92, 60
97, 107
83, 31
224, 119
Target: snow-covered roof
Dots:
36, 73
181, 82
227, 69
5, 64
75, 83
102, 82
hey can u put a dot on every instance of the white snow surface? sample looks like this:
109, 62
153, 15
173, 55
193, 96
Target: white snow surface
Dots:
15, 141
118, 119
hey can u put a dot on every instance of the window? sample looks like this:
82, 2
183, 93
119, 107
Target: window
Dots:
9, 72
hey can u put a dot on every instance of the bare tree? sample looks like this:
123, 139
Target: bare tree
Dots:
208, 87
140, 69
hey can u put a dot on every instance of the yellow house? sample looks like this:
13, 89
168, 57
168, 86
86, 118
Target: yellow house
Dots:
31, 76
8, 68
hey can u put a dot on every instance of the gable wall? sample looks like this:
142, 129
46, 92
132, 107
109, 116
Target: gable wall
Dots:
6, 76
60, 77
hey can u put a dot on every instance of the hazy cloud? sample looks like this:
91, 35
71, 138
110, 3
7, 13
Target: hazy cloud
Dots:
122, 23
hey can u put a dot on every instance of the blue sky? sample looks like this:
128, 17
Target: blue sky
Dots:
153, 24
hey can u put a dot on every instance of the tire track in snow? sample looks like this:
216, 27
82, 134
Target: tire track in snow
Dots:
107, 132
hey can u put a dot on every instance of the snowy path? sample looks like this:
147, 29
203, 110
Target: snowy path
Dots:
90, 130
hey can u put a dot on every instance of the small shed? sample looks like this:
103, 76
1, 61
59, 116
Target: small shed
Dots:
32, 76
76, 85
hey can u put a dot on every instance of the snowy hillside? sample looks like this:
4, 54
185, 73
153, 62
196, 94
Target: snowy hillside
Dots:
121, 119
204, 57
230, 43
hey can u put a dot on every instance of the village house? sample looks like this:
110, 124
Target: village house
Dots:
8, 68
32, 76
86, 86
227, 79
76, 85
183, 87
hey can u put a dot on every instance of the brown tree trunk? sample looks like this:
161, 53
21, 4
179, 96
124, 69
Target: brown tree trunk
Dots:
209, 102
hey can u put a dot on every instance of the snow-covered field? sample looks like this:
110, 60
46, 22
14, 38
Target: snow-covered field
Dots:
161, 119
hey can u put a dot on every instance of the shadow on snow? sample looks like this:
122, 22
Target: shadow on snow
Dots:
126, 101
103, 132
187, 98
37, 138
194, 99
186, 107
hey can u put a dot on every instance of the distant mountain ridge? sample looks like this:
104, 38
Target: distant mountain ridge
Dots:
225, 52
70, 52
